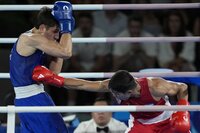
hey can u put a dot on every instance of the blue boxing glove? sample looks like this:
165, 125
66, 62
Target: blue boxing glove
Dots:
62, 12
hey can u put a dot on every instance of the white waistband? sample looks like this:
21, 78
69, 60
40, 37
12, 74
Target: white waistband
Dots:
165, 115
27, 91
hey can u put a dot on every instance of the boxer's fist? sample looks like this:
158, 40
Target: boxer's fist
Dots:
180, 120
43, 75
62, 12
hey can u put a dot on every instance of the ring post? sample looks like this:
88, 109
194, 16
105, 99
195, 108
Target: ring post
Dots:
11, 119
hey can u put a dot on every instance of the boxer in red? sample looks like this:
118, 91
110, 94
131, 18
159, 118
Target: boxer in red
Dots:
129, 90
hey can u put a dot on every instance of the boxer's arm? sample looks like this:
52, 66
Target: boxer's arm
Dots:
180, 120
79, 84
43, 75
161, 87
53, 48
56, 64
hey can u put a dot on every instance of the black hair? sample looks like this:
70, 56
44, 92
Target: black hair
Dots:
182, 30
136, 18
85, 15
102, 98
122, 81
45, 17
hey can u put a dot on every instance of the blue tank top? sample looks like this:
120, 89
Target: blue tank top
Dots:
21, 67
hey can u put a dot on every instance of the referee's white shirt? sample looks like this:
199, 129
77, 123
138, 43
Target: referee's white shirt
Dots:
90, 126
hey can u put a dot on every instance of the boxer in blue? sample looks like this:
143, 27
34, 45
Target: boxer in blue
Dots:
28, 52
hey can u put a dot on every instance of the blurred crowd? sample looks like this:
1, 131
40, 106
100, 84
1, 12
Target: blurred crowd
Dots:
98, 57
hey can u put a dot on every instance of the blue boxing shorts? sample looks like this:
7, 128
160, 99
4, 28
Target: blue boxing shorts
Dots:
40, 122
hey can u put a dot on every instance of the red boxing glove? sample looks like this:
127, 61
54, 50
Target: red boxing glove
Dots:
44, 75
180, 120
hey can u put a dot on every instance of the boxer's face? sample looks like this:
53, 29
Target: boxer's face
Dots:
101, 118
120, 95
134, 92
52, 33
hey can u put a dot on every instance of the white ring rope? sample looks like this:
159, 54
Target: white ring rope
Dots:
11, 110
120, 108
109, 74
121, 39
105, 6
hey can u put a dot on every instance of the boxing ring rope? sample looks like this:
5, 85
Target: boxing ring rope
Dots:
105, 6
11, 110
81, 109
121, 39
109, 74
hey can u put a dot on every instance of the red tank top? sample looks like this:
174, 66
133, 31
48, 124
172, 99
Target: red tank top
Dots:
144, 99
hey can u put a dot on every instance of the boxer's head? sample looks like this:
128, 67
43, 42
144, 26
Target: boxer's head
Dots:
123, 85
46, 24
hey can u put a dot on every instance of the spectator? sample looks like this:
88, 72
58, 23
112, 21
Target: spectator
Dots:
88, 57
177, 56
151, 22
134, 56
101, 122
112, 22
196, 32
